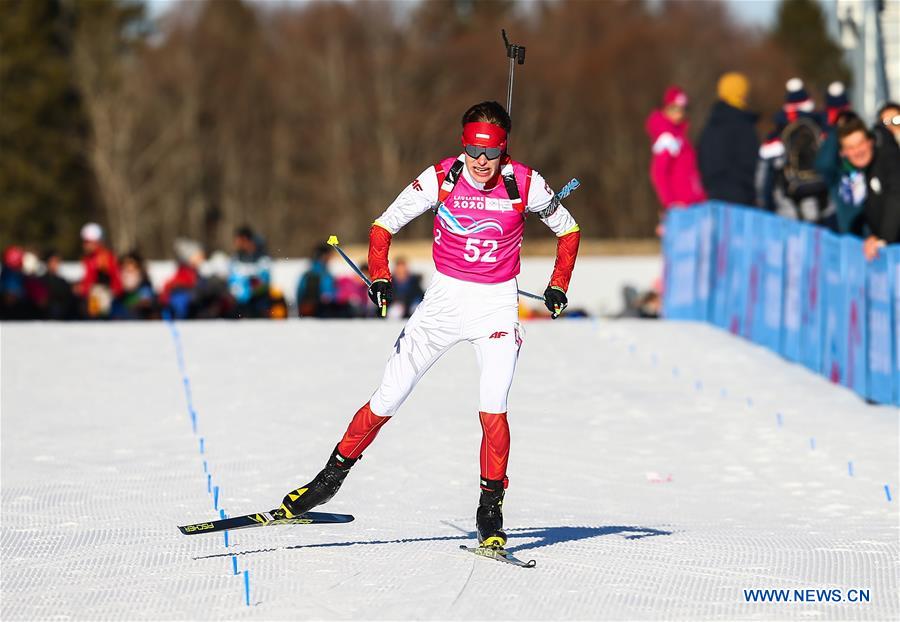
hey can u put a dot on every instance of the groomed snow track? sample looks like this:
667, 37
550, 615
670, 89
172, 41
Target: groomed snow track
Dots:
658, 471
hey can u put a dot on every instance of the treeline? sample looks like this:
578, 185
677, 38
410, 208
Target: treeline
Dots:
306, 120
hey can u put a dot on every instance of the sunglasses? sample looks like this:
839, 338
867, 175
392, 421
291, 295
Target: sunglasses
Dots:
491, 153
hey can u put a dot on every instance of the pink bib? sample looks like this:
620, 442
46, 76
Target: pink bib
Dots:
478, 233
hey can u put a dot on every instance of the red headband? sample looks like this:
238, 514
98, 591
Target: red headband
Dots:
484, 135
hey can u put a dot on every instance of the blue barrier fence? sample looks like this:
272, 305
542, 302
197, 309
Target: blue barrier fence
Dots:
792, 287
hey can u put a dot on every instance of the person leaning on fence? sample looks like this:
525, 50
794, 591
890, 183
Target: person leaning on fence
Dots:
673, 164
871, 180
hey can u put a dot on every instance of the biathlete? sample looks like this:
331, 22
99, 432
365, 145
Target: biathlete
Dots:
480, 199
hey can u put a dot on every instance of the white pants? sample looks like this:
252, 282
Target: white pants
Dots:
484, 314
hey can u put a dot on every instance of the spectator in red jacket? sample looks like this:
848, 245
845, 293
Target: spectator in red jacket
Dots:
673, 168
101, 282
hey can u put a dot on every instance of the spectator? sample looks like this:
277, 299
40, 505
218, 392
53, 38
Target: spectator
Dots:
192, 293
137, 300
673, 167
353, 294
728, 145
101, 282
832, 167
317, 289
836, 102
408, 292
871, 180
788, 183
61, 303
889, 115
14, 303
249, 274
179, 291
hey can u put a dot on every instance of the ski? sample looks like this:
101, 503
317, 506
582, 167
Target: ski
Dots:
500, 555
263, 519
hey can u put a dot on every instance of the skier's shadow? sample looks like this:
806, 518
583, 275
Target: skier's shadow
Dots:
548, 536
540, 536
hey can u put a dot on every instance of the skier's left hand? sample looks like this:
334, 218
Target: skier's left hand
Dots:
381, 292
555, 300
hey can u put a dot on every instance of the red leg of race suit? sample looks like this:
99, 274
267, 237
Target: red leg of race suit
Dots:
494, 445
361, 432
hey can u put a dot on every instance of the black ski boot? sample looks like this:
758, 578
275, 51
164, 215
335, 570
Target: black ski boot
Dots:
489, 516
321, 489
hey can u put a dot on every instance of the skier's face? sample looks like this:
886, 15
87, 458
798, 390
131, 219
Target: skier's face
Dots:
481, 169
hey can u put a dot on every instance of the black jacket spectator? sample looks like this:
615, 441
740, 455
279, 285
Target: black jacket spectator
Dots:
727, 151
882, 207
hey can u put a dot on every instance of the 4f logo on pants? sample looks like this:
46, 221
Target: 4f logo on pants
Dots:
498, 335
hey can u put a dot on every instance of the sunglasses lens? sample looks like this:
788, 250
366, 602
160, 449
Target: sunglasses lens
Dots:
491, 153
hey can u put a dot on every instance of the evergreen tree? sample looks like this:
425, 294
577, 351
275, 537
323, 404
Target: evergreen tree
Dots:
800, 30
45, 183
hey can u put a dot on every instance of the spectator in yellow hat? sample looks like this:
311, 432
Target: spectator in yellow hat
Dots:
729, 145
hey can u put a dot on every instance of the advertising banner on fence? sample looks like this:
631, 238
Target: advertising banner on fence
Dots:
681, 264
834, 353
722, 269
881, 347
811, 326
767, 328
855, 311
893, 254
794, 260
706, 239
795, 288
738, 272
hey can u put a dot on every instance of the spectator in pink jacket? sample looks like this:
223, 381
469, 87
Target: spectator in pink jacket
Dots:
673, 168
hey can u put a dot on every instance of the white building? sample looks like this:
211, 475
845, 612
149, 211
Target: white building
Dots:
869, 31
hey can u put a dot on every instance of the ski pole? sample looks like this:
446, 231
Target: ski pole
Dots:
333, 242
516, 54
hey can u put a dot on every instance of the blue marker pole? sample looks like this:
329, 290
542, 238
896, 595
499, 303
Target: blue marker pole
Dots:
209, 482
216, 497
202, 448
779, 419
247, 587
234, 564
812, 442
887, 492
850, 468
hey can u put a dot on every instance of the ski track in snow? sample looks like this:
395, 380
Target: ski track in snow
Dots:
658, 469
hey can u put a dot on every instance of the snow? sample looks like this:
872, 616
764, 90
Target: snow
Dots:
649, 477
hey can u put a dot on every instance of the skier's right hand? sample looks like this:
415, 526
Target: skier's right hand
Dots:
381, 293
